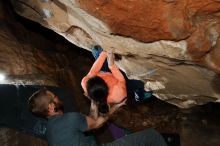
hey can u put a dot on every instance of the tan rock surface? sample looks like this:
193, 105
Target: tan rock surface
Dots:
171, 45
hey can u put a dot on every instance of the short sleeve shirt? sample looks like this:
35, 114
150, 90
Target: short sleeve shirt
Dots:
67, 130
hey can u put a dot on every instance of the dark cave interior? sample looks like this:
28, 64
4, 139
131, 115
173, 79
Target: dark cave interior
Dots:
198, 125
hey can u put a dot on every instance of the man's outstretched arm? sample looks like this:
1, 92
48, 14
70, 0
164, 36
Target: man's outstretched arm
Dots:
94, 124
94, 110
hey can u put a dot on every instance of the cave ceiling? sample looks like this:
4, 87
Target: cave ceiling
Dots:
173, 46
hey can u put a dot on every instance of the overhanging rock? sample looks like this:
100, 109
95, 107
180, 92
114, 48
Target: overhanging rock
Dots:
171, 45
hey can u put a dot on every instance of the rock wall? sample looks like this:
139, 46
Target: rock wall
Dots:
33, 55
171, 45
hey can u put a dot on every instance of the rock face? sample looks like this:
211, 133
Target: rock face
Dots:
29, 58
173, 46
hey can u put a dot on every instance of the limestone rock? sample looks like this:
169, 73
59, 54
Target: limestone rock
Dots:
171, 45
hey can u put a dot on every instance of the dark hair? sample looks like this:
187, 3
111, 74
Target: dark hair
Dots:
103, 108
97, 90
38, 103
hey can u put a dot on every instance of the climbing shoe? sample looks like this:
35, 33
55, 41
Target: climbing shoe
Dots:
142, 95
96, 50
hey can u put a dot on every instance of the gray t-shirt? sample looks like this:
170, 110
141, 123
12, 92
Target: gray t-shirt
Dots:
67, 130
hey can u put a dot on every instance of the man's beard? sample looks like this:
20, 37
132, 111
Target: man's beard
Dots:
58, 106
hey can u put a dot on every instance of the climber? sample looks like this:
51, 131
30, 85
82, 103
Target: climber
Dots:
106, 85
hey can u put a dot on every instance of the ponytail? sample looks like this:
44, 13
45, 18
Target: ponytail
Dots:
103, 107
97, 90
